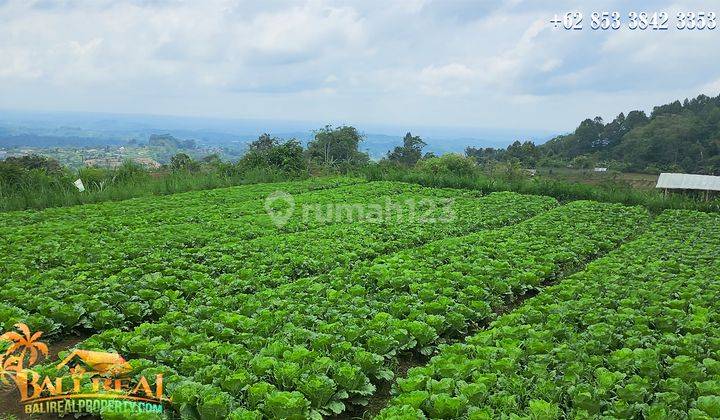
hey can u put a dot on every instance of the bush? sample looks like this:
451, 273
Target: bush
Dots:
450, 163
287, 157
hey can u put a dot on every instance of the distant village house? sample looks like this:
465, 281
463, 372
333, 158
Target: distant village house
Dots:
113, 163
148, 163
103, 163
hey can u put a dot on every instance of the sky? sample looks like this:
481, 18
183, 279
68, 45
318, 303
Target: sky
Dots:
451, 63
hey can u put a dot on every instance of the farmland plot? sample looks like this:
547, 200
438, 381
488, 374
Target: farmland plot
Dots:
137, 207
122, 278
635, 335
286, 308
317, 345
166, 222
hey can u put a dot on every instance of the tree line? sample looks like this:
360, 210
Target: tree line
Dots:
679, 136
332, 150
676, 137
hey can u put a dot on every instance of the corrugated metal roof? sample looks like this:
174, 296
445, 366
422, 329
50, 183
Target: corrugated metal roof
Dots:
688, 182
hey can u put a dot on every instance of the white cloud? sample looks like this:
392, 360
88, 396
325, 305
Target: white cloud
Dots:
424, 61
447, 80
86, 48
712, 88
196, 42
300, 33
550, 64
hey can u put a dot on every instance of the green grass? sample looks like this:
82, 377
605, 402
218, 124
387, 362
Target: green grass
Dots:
56, 194
562, 190
46, 192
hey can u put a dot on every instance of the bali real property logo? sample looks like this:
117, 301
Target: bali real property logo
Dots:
93, 382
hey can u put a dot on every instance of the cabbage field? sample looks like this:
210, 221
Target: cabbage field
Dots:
449, 305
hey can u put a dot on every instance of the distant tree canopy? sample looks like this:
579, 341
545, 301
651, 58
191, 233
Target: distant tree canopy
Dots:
17, 170
682, 137
213, 159
483, 155
409, 153
270, 152
30, 162
183, 162
449, 163
335, 146
525, 153
264, 143
168, 141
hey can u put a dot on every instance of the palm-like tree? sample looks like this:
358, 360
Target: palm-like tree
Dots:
25, 342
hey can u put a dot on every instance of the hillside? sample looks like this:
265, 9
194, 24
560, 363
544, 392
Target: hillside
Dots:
679, 136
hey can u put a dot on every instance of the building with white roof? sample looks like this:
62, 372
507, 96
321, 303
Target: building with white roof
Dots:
671, 181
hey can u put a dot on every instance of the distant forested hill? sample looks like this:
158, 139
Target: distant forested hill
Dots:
680, 136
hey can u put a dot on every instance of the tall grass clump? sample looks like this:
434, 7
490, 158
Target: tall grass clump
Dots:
564, 191
38, 189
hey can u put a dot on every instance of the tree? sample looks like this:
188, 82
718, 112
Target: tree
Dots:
269, 152
583, 162
287, 156
410, 152
484, 155
213, 162
635, 119
525, 153
587, 135
333, 146
212, 159
611, 133
679, 136
29, 170
32, 161
674, 107
449, 163
183, 162
263, 143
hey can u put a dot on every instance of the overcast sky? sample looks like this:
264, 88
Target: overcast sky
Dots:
495, 64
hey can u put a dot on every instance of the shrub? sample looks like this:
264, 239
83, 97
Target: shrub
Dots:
450, 163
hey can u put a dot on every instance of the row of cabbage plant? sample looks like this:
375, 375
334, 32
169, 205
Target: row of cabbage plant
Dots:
635, 335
